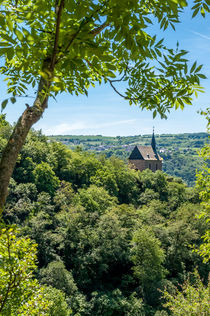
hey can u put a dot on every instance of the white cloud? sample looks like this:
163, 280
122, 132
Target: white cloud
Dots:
201, 35
114, 123
64, 128
68, 128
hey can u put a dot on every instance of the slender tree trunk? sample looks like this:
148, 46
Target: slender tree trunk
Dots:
10, 153
30, 116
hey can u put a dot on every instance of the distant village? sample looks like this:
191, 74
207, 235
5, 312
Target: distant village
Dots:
127, 148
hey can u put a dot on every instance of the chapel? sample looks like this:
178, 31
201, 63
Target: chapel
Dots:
146, 157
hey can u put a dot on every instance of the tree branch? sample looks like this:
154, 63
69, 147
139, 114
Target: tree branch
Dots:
59, 12
73, 37
118, 80
98, 29
110, 81
43, 31
85, 21
120, 94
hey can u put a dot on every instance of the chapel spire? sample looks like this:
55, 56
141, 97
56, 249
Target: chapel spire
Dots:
153, 142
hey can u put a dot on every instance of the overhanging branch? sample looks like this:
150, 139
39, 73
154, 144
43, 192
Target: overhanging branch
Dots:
114, 88
58, 21
99, 29
84, 22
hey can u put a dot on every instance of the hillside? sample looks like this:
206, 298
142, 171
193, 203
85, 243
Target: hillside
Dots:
109, 239
179, 151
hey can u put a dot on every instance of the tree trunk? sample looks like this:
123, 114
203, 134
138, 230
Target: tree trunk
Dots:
30, 116
10, 153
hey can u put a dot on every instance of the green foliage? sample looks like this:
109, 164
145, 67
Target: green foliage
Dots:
20, 294
104, 254
20, 174
83, 167
176, 194
58, 305
64, 195
105, 178
201, 6
103, 251
56, 275
114, 303
118, 180
74, 49
203, 184
45, 178
148, 257
97, 248
192, 299
154, 181
21, 201
94, 199
5, 127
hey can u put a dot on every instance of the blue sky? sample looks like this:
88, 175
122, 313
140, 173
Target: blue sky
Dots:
104, 112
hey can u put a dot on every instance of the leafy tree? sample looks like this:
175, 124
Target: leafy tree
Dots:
45, 178
56, 275
97, 249
64, 195
118, 180
95, 199
19, 292
55, 46
203, 184
147, 256
58, 305
81, 168
178, 238
24, 170
154, 181
191, 300
176, 194
105, 178
5, 127
36, 148
147, 196
60, 157
152, 213
40, 228
115, 304
20, 202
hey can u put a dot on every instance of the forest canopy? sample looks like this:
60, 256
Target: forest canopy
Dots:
109, 239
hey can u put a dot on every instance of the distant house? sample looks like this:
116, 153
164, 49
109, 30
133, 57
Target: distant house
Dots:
145, 157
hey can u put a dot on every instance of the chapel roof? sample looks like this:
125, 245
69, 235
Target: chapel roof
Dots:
144, 153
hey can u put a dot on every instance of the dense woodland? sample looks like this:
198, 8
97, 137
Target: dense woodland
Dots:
109, 239
179, 151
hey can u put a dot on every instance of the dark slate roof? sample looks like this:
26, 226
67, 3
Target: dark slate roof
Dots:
136, 154
144, 153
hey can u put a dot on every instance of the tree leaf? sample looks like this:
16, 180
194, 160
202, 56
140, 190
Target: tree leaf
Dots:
193, 67
13, 100
4, 104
